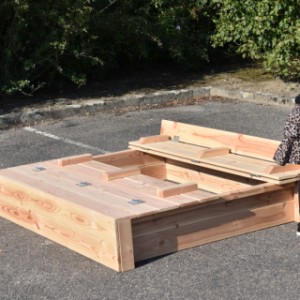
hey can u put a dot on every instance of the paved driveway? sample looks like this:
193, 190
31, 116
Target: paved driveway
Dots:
259, 265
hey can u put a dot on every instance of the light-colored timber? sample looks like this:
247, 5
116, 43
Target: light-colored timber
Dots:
185, 187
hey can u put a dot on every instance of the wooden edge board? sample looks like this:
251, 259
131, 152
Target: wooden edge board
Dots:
50, 194
127, 158
120, 173
125, 245
74, 159
110, 197
189, 215
208, 182
254, 190
176, 189
291, 176
122, 187
153, 139
213, 152
169, 241
102, 250
272, 169
210, 137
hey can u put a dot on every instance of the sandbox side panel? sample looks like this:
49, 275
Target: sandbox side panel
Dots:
182, 229
75, 227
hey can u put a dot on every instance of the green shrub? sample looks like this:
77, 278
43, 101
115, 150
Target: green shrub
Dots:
267, 30
52, 43
183, 29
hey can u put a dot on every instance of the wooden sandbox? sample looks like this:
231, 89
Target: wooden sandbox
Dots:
188, 186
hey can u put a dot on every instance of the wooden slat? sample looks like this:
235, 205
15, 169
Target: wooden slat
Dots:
125, 188
282, 179
99, 166
160, 243
157, 170
128, 171
148, 185
127, 158
75, 227
125, 243
213, 152
208, 137
230, 163
200, 212
205, 181
107, 196
271, 169
122, 188
153, 139
148, 193
74, 159
173, 148
235, 162
176, 189
49, 189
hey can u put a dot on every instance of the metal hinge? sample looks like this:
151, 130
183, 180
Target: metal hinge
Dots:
176, 138
39, 169
254, 175
195, 161
136, 201
83, 184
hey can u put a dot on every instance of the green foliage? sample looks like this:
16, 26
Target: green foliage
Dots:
43, 41
268, 30
183, 29
51, 43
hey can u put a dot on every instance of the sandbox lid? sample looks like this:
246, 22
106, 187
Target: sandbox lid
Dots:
229, 152
127, 194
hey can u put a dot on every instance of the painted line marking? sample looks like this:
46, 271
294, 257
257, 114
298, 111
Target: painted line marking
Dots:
65, 140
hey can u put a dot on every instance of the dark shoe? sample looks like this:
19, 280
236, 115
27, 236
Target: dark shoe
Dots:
298, 229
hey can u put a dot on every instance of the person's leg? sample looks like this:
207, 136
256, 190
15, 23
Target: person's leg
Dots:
298, 225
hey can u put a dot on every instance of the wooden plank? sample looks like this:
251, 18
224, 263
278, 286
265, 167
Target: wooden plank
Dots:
200, 212
145, 192
151, 185
109, 199
271, 169
213, 152
191, 152
127, 158
235, 164
99, 166
208, 137
169, 241
86, 232
48, 194
125, 172
173, 148
74, 159
82, 221
176, 189
205, 181
125, 243
282, 179
153, 139
123, 188
239, 163
157, 170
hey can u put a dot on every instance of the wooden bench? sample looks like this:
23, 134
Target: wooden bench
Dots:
188, 186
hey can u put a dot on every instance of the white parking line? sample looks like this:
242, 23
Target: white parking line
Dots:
65, 140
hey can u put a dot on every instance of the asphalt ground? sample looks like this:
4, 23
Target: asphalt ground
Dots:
261, 265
